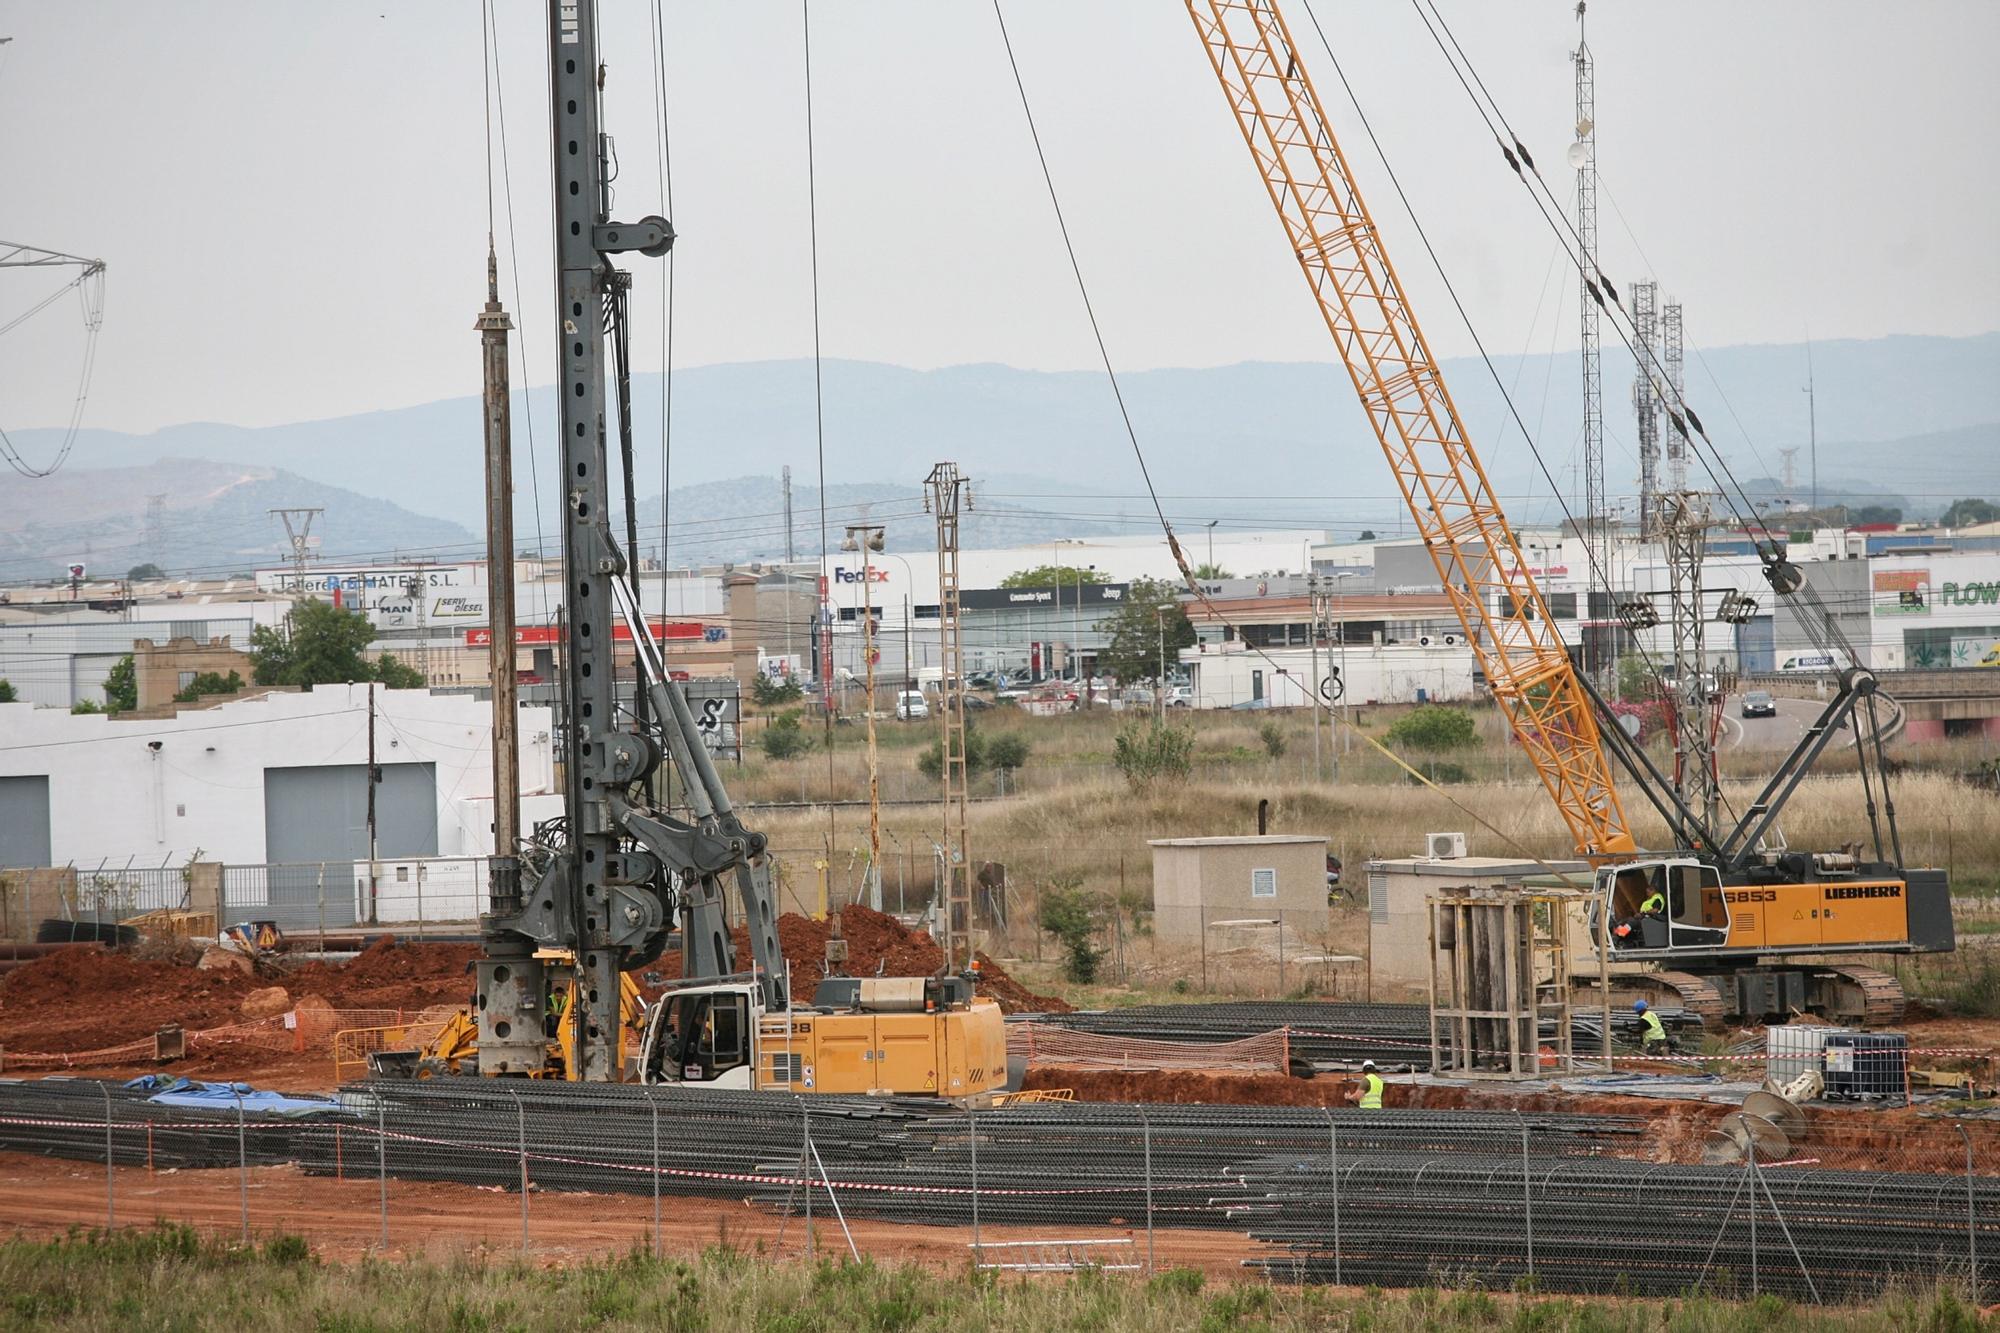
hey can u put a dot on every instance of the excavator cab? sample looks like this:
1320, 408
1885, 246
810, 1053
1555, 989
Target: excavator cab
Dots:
1664, 905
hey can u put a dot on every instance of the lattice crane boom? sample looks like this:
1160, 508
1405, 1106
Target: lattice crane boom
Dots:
1403, 393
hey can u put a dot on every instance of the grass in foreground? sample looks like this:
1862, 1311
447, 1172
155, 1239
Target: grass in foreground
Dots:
171, 1278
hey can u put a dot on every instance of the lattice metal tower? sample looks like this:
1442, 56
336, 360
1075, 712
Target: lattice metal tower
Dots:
1645, 403
1583, 156
298, 531
948, 493
1670, 357
1696, 694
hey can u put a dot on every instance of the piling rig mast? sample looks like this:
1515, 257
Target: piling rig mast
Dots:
1742, 918
598, 894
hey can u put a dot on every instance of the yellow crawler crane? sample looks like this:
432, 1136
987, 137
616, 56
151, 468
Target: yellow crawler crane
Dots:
1737, 920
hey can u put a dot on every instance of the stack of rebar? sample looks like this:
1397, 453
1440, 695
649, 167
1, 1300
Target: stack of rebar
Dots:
1402, 1219
1329, 1034
67, 1118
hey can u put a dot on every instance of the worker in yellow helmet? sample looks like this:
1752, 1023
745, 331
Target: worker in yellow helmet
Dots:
1368, 1095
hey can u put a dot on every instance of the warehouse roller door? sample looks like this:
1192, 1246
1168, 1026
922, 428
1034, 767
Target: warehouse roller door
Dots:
24, 821
320, 814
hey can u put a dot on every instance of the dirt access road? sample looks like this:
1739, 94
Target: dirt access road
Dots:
342, 1218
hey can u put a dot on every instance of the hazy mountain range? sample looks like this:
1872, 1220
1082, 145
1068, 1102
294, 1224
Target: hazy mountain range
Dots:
1913, 421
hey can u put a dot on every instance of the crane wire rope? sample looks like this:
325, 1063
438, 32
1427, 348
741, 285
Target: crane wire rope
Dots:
1600, 575
1819, 623
1173, 541
819, 430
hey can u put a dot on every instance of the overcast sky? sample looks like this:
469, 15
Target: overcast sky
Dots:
292, 199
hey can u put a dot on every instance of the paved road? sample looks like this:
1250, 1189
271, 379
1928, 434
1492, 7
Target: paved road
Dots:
1778, 733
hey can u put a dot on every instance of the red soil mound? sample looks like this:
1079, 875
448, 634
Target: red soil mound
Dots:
87, 999
877, 944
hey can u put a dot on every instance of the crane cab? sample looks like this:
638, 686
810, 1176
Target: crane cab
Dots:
1688, 907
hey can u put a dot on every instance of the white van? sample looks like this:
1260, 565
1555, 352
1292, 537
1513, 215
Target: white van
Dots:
910, 706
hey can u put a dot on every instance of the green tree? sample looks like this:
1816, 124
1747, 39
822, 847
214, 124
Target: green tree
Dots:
1636, 682
785, 737
1073, 914
208, 682
1205, 570
1367, 534
149, 570
121, 686
1149, 753
1273, 737
7, 693
321, 644
1434, 727
1134, 631
1965, 513
1006, 752
1878, 514
1052, 576
768, 692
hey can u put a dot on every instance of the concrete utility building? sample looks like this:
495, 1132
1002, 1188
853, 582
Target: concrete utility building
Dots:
1399, 890
1201, 882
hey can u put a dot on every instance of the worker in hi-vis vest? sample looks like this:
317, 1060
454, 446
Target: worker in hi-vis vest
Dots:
1368, 1096
1655, 904
1653, 1037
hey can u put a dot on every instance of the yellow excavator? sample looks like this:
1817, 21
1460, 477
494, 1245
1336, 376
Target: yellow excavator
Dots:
1726, 922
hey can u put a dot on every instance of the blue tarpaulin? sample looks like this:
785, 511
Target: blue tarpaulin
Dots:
170, 1090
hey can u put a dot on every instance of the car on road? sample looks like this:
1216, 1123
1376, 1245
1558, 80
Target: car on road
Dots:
1759, 703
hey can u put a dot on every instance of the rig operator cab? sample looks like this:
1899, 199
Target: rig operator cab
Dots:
880, 1036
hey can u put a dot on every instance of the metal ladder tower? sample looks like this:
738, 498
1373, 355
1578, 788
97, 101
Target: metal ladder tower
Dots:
1696, 694
950, 492
1645, 403
1670, 357
1596, 517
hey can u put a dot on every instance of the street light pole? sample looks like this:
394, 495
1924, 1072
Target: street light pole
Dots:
1211, 545
1160, 681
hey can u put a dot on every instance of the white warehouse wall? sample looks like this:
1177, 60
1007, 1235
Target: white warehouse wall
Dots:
114, 799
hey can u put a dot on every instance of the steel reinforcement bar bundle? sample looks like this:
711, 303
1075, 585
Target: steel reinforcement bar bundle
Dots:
1325, 1033
907, 1160
77, 1119
1408, 1219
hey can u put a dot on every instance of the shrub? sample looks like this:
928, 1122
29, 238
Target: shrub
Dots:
1070, 913
1005, 752
1433, 727
1273, 737
1151, 752
785, 737
208, 682
1441, 772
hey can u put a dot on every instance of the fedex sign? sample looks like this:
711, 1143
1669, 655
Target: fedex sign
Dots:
872, 574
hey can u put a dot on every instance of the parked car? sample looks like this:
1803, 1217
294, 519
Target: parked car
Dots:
1759, 703
1180, 696
911, 706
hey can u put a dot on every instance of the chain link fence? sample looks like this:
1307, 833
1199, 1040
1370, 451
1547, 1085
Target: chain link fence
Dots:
1495, 1200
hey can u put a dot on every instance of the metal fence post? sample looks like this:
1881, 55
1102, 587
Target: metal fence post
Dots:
322, 905
654, 1103
382, 1166
1203, 920
242, 1168
972, 1140
805, 1167
420, 897
110, 1183
1527, 1195
1281, 953
1751, 1155
521, 1119
1146, 1136
1333, 1149
1971, 1232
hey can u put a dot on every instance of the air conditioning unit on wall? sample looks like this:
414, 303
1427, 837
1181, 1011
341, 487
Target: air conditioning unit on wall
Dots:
1444, 846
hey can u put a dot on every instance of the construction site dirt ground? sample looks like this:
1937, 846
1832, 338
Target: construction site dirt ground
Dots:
342, 1218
